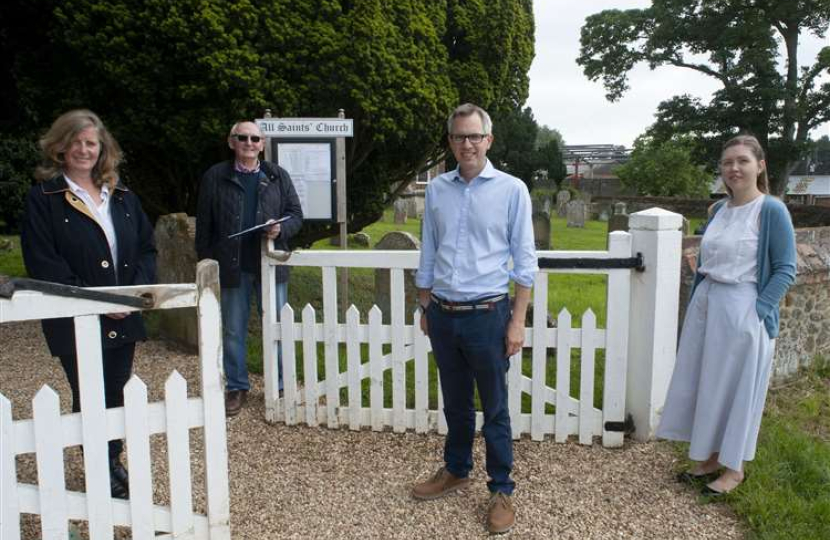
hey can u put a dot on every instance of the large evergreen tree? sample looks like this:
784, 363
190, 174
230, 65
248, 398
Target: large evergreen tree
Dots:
170, 76
749, 46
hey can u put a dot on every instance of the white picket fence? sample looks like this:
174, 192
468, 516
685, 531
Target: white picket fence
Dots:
313, 401
49, 432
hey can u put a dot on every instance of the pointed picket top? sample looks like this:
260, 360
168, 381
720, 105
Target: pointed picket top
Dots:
175, 382
5, 403
135, 387
589, 320
287, 312
309, 312
564, 315
375, 312
46, 396
353, 313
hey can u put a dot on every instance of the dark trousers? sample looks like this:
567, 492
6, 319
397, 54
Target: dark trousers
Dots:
118, 365
469, 349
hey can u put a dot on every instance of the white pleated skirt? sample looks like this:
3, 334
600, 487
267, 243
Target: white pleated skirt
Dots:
719, 386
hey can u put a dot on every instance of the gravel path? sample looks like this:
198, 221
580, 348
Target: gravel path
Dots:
316, 483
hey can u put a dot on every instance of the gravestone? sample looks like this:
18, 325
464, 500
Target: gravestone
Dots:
400, 212
603, 215
562, 199
176, 263
541, 222
618, 222
619, 208
396, 241
576, 213
361, 239
686, 229
412, 208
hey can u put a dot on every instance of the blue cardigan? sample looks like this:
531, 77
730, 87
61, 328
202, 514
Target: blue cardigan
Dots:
776, 260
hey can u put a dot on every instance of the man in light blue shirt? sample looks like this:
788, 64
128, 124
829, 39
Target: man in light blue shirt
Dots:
476, 219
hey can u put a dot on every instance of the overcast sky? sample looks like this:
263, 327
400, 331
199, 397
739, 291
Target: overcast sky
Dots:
563, 98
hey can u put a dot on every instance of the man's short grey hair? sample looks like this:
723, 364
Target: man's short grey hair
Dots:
468, 109
236, 125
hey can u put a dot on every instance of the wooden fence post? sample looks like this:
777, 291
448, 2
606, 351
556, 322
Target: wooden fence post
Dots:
652, 346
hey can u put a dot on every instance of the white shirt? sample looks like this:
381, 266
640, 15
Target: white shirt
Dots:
729, 249
101, 213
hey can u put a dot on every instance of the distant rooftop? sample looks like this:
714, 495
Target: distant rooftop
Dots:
596, 153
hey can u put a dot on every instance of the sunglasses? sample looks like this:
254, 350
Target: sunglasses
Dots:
244, 138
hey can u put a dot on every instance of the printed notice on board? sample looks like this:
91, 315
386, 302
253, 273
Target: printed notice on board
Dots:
309, 165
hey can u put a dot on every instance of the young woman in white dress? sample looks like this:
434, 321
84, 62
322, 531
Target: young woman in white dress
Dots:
747, 262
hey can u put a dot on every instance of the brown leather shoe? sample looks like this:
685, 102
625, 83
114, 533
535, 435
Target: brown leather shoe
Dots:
234, 400
501, 516
441, 483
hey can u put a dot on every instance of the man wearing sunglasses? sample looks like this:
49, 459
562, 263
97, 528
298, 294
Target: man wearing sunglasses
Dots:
234, 196
476, 219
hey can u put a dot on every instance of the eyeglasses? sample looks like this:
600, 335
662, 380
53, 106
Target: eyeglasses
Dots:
474, 138
244, 138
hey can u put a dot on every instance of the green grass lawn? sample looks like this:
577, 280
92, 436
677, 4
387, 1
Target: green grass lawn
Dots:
11, 261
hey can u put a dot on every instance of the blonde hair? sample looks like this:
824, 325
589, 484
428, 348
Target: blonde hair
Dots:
755, 147
58, 139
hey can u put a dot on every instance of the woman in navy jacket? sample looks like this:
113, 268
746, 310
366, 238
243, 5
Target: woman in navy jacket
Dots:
83, 227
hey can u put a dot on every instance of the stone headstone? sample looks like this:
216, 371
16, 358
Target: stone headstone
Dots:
412, 208
396, 241
686, 229
562, 199
541, 222
400, 212
5, 245
361, 239
603, 215
576, 214
619, 208
175, 236
618, 222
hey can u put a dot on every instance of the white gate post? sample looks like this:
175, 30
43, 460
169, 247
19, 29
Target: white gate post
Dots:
652, 345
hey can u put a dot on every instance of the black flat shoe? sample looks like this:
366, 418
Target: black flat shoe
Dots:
691, 479
710, 493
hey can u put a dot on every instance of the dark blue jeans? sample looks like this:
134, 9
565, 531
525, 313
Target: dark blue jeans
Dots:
236, 309
469, 349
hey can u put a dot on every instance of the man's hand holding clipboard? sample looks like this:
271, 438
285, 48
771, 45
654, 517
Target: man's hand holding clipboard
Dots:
270, 227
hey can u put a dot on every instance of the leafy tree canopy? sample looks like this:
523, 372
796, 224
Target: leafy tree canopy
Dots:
750, 48
665, 169
169, 78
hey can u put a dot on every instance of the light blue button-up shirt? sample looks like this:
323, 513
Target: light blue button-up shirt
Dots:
470, 232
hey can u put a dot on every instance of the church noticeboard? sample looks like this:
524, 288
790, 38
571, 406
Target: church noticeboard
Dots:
306, 148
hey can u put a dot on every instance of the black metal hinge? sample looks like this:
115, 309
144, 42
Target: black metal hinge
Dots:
584, 263
624, 427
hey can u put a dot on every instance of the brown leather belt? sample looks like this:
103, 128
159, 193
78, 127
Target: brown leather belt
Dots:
485, 304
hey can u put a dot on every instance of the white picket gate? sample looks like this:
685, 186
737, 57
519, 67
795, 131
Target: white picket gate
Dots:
315, 402
49, 432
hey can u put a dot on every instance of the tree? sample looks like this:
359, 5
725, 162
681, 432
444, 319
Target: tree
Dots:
546, 134
514, 144
735, 42
551, 160
664, 169
169, 77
